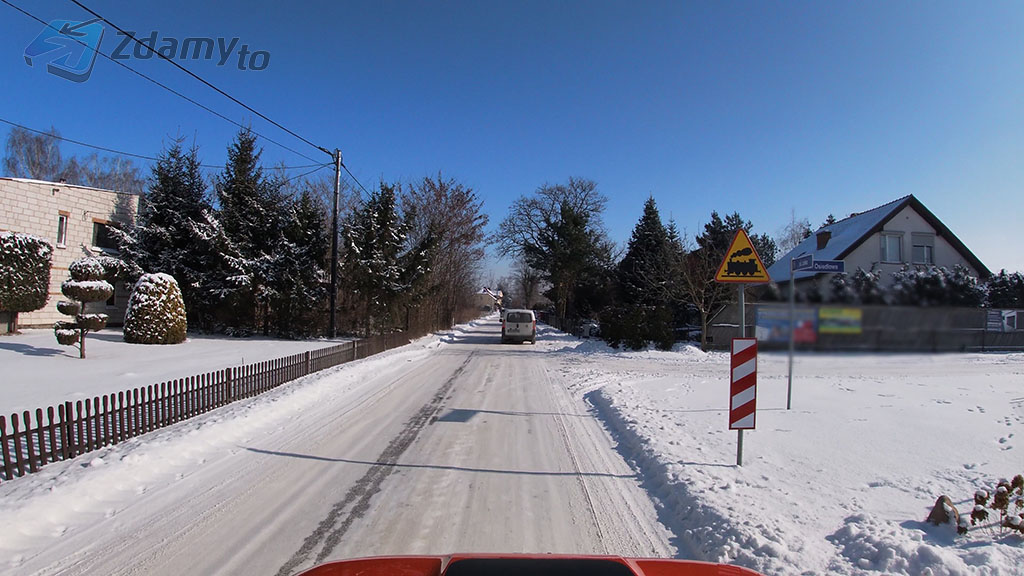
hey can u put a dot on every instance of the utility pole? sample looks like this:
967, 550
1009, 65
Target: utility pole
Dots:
333, 330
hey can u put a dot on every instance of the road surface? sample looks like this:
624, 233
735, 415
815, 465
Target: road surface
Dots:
473, 447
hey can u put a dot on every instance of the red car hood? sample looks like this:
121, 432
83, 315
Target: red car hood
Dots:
522, 565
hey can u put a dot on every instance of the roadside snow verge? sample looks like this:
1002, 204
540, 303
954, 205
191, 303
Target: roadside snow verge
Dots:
703, 533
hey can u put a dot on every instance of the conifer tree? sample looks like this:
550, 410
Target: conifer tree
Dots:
300, 278
176, 232
380, 265
643, 273
1006, 290
252, 216
645, 284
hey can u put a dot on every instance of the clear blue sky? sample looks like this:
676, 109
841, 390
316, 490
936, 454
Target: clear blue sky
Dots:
761, 107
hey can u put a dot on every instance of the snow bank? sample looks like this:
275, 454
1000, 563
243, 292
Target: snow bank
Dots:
842, 483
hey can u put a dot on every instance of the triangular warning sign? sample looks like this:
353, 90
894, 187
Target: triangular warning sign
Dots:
741, 262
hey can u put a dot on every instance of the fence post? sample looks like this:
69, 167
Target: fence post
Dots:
64, 412
17, 445
104, 438
41, 436
8, 469
53, 434
29, 444
79, 423
309, 363
120, 417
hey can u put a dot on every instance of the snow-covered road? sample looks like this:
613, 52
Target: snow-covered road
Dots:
451, 444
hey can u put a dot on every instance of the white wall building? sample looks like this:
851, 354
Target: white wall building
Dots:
74, 220
887, 238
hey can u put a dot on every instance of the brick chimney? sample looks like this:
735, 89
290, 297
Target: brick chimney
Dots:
823, 237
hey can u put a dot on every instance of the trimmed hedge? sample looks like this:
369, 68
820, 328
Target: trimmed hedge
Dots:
156, 312
24, 272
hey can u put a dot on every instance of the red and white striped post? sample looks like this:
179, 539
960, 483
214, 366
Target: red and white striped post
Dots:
743, 390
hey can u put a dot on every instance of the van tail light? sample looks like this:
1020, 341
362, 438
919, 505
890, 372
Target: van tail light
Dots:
534, 325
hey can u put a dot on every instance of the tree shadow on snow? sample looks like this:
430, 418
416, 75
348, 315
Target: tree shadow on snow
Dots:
29, 350
439, 466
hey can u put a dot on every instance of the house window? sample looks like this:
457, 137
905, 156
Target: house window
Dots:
923, 251
102, 237
892, 245
62, 231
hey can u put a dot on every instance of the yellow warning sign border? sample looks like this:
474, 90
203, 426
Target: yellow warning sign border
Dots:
741, 280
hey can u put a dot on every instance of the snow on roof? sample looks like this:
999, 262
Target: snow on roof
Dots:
846, 234
850, 232
65, 184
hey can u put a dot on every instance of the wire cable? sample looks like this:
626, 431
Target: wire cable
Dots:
160, 84
197, 77
319, 168
129, 154
356, 180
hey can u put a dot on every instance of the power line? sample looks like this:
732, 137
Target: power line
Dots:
130, 154
192, 74
353, 176
161, 85
317, 169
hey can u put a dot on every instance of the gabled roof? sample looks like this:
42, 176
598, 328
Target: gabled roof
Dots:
849, 233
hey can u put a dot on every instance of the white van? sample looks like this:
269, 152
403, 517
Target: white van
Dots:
519, 326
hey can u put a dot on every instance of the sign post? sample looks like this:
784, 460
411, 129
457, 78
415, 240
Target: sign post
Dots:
742, 266
795, 265
804, 262
742, 389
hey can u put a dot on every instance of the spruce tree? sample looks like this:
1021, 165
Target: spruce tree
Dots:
645, 283
300, 277
175, 232
252, 216
643, 273
380, 265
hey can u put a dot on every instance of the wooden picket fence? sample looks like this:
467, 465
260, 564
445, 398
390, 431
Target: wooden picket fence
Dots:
75, 428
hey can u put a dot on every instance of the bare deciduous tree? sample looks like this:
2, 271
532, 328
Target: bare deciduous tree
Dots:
697, 268
793, 233
528, 215
38, 156
34, 156
454, 215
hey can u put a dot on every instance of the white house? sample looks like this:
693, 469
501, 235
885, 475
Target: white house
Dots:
887, 238
75, 221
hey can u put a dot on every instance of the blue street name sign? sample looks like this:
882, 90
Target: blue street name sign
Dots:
830, 266
802, 262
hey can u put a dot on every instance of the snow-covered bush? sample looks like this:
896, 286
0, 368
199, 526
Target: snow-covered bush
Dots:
842, 290
868, 286
24, 272
156, 312
1006, 290
936, 286
86, 285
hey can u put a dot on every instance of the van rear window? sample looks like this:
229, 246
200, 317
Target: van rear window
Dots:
519, 318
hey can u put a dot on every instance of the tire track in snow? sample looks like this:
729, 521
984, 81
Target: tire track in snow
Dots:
356, 502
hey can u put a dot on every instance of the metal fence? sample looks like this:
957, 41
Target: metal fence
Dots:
35, 438
872, 328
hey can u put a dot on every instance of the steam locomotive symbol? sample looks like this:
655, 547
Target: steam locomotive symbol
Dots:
741, 267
